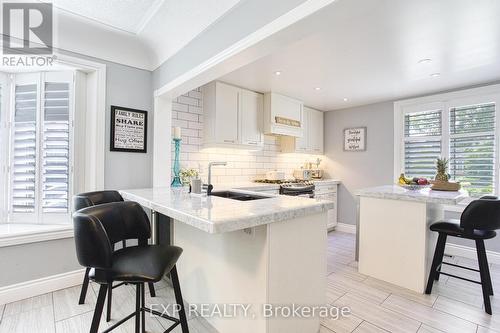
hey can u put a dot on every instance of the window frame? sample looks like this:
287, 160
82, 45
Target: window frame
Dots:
447, 101
39, 78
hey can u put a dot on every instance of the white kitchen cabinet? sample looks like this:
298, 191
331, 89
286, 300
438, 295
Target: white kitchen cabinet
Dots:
283, 115
251, 108
315, 131
312, 141
232, 117
328, 191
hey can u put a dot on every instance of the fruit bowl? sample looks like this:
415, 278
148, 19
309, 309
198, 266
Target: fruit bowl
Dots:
415, 187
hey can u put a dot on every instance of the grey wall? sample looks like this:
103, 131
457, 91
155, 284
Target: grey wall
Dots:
125, 86
129, 87
359, 169
373, 167
37, 260
242, 20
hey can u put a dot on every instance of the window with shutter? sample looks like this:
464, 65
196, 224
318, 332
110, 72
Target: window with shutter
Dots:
422, 144
460, 126
56, 149
472, 147
24, 161
40, 148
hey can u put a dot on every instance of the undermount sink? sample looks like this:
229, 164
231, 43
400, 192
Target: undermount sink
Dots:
238, 195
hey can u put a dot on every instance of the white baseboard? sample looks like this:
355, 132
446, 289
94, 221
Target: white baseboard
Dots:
344, 227
23, 290
470, 253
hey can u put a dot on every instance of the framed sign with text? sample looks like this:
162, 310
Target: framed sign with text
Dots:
129, 130
355, 139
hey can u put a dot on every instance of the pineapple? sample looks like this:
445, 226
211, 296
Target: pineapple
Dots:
442, 166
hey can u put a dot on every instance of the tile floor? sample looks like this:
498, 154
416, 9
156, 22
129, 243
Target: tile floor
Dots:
455, 306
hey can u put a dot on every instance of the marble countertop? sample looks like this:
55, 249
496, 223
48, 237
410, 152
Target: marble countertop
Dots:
219, 215
395, 192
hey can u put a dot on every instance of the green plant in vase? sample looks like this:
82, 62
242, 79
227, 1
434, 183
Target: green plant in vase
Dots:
187, 174
442, 170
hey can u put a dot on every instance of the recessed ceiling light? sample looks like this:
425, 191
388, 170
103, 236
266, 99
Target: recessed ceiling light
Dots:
345, 99
435, 74
424, 61
317, 88
277, 73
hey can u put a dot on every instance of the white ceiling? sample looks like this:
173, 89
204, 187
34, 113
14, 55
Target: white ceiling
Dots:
163, 26
367, 51
126, 15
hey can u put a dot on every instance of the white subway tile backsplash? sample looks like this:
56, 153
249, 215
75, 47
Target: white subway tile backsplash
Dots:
195, 94
195, 125
179, 123
195, 109
190, 132
187, 116
243, 165
188, 100
179, 107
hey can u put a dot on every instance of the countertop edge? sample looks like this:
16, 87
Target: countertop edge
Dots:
230, 225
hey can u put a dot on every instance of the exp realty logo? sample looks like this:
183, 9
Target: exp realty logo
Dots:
27, 34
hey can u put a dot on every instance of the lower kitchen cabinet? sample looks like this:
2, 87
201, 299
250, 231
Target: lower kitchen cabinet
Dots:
328, 191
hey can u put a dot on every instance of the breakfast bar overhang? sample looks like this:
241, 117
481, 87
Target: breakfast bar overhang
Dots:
395, 243
267, 251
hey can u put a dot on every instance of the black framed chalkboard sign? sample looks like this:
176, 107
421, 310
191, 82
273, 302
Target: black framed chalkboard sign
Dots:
129, 130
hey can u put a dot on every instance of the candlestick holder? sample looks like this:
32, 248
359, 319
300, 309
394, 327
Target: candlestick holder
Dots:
176, 182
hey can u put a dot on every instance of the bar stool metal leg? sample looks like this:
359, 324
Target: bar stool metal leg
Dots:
152, 291
98, 308
179, 300
483, 271
85, 285
110, 301
436, 262
143, 306
138, 308
488, 275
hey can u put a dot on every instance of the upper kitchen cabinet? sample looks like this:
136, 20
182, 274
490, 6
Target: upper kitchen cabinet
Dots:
315, 131
233, 116
283, 115
251, 109
312, 141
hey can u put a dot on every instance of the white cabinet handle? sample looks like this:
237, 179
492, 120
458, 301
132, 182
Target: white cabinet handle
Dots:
252, 143
230, 141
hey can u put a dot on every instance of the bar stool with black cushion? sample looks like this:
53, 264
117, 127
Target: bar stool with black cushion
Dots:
478, 222
89, 199
97, 228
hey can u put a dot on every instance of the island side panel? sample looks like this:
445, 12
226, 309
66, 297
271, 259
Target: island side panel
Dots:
224, 268
394, 241
297, 269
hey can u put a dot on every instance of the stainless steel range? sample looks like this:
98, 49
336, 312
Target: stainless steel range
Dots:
300, 188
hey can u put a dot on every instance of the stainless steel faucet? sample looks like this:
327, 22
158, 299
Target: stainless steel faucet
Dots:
209, 186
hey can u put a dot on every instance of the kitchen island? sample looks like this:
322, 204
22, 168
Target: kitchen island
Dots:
266, 251
394, 240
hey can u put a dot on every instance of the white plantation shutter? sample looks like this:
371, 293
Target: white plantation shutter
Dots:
472, 147
24, 160
41, 148
422, 131
56, 148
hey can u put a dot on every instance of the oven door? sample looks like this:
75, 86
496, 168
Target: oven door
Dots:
304, 194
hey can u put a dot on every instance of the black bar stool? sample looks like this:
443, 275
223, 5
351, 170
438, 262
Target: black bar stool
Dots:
90, 199
478, 222
97, 228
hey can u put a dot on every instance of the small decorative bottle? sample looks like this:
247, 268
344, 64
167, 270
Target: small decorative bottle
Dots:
176, 182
